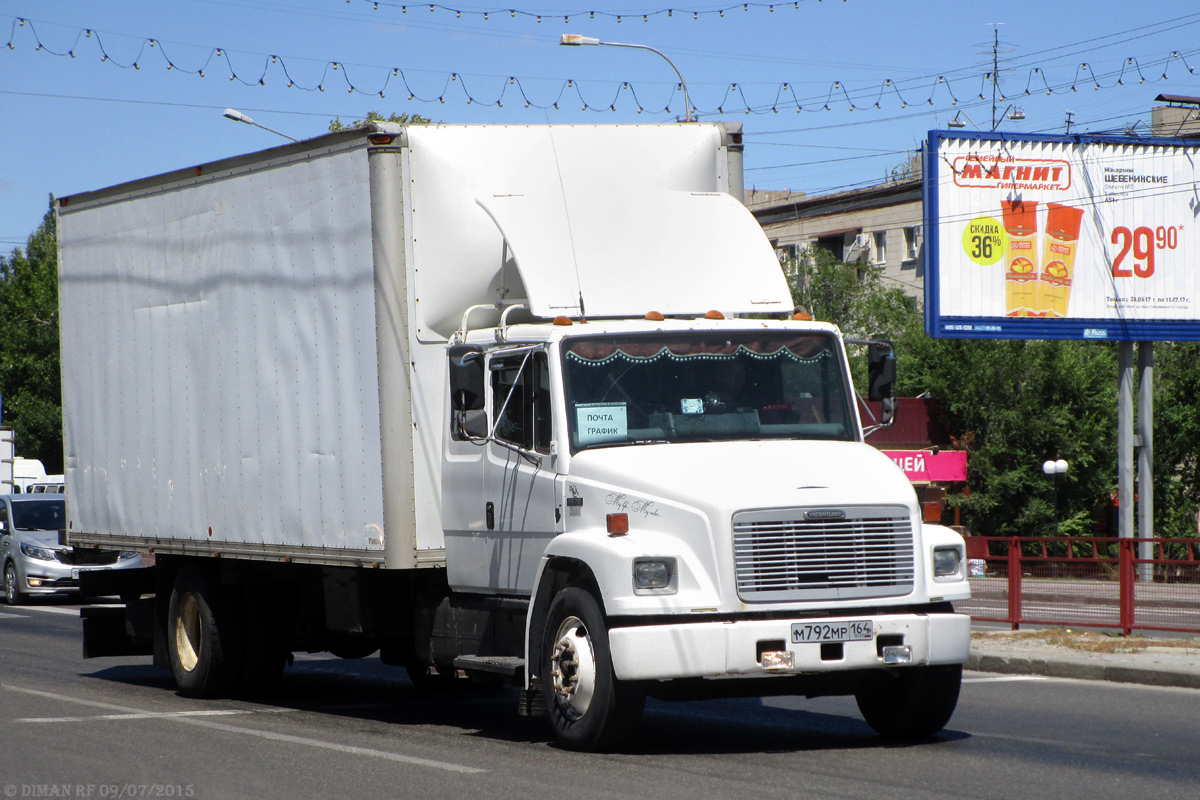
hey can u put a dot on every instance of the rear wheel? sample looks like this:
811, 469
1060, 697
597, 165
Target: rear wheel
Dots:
202, 636
913, 703
12, 588
588, 706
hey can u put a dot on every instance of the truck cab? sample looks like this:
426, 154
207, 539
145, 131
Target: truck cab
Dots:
700, 489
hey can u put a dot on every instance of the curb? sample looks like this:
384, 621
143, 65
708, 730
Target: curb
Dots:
1012, 665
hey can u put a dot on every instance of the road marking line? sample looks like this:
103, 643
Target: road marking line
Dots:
341, 748
277, 737
72, 612
13, 616
1006, 679
154, 715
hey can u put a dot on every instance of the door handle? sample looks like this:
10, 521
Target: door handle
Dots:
490, 510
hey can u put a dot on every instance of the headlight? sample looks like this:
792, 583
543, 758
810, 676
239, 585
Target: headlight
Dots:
126, 554
654, 576
947, 562
42, 553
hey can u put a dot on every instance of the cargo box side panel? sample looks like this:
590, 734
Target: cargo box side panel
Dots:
219, 364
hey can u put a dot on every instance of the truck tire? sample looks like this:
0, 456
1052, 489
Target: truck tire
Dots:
913, 703
589, 708
202, 636
12, 585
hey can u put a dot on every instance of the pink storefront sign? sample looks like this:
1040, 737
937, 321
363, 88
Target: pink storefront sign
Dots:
924, 466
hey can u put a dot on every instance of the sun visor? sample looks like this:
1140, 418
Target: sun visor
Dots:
616, 255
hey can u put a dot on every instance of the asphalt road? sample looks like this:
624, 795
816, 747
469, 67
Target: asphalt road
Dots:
338, 729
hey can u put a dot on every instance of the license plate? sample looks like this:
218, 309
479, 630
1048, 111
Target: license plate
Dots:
855, 630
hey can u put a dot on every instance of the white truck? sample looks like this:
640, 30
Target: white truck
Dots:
519, 401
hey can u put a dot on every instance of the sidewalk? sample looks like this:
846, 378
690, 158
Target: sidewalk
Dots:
1027, 653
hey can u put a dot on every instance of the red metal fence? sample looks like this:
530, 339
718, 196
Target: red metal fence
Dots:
1125, 584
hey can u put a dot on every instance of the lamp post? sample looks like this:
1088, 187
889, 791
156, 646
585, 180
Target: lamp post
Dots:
575, 40
1054, 469
238, 116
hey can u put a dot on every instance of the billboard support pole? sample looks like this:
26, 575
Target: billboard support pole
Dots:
1145, 458
1125, 442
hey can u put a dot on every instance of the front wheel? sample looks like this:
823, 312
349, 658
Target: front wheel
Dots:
12, 589
588, 706
913, 703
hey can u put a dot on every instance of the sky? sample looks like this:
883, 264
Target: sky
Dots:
832, 94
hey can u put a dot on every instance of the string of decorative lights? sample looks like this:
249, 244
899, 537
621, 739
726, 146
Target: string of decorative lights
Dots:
838, 95
539, 16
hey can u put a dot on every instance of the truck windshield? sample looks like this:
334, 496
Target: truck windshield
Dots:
690, 387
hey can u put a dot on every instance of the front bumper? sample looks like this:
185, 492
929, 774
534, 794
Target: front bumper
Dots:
38, 577
732, 649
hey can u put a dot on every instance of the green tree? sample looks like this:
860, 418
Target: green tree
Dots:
1176, 438
1013, 404
29, 366
855, 298
1010, 404
374, 116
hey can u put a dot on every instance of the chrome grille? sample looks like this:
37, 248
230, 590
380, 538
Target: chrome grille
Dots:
779, 555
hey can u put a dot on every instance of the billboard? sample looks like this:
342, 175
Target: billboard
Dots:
1061, 237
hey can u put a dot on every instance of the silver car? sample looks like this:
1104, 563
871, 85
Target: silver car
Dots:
33, 560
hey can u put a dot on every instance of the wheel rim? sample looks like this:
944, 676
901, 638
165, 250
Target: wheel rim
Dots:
187, 632
10, 583
573, 668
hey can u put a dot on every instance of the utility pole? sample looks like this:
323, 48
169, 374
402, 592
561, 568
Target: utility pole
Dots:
995, 50
995, 70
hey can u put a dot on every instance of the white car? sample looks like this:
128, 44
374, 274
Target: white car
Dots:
33, 560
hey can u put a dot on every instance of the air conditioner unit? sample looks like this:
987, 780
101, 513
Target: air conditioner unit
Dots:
862, 241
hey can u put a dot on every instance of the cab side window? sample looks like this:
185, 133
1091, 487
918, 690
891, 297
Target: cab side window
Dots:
521, 401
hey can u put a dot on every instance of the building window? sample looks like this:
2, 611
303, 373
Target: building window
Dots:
912, 243
880, 242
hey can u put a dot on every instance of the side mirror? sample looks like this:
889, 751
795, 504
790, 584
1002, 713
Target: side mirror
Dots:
466, 378
881, 371
881, 379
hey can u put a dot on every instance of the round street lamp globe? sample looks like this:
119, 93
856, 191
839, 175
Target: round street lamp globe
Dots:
1060, 466
1048, 467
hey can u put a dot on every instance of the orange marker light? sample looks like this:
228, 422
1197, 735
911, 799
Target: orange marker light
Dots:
654, 316
618, 524
714, 315
563, 321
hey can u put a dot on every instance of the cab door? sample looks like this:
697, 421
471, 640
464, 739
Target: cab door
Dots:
519, 478
498, 477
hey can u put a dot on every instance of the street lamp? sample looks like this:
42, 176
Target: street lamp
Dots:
1011, 113
237, 116
575, 40
1054, 469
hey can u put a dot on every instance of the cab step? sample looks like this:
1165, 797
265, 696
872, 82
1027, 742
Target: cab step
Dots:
509, 666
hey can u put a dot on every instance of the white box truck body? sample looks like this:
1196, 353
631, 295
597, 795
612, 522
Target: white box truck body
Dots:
517, 400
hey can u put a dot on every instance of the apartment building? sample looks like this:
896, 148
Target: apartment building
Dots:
877, 226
